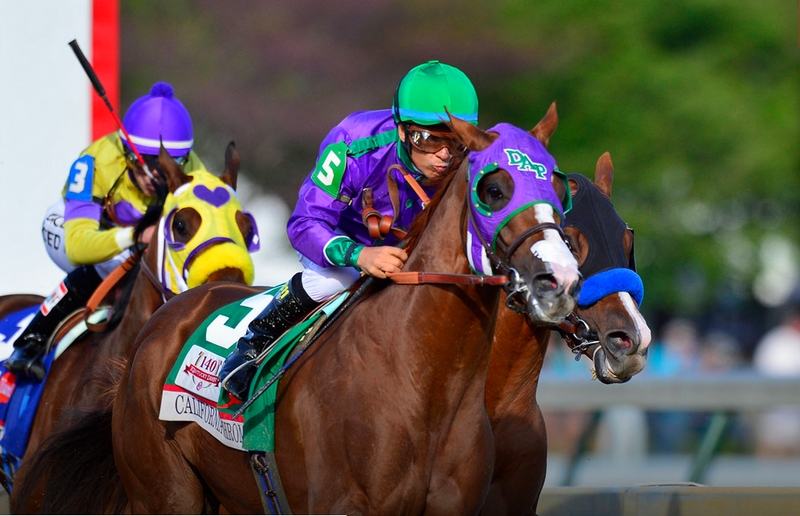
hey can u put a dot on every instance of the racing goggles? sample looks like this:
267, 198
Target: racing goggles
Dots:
431, 142
151, 160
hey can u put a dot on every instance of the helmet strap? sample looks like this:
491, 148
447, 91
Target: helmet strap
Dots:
396, 106
404, 150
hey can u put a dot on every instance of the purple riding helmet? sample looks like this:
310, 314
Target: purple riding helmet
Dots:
156, 118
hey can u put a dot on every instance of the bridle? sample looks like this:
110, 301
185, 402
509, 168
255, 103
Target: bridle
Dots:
578, 335
508, 277
516, 289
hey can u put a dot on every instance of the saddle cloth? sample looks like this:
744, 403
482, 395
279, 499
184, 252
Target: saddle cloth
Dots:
16, 396
192, 390
19, 398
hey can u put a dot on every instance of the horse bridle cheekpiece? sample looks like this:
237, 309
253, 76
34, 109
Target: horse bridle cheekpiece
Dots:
531, 168
217, 206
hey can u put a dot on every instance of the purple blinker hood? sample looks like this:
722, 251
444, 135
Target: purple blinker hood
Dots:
531, 168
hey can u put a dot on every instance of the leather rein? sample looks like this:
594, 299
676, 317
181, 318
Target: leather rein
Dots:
113, 279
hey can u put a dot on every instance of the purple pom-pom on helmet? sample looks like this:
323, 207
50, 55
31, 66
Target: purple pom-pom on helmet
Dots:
156, 118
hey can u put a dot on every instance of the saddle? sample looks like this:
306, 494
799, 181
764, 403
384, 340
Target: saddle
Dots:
192, 391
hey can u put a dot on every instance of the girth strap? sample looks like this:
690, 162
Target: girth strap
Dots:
265, 471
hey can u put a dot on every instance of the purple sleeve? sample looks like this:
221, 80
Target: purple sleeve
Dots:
316, 216
82, 210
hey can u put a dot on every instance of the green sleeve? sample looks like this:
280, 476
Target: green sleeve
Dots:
343, 252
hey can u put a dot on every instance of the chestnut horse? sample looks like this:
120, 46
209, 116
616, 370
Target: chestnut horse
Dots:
11, 303
619, 337
385, 413
202, 219
601, 240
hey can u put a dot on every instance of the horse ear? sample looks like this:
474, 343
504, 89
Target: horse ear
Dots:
474, 138
175, 175
604, 174
573, 187
546, 126
232, 162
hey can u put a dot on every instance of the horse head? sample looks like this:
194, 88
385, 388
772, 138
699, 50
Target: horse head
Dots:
515, 209
204, 234
612, 330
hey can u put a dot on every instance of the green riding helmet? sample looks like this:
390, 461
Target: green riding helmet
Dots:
426, 90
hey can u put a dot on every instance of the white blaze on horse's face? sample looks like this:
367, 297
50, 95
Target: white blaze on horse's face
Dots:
638, 320
553, 250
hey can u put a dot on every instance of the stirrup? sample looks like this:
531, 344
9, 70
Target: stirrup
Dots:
240, 367
32, 369
35, 370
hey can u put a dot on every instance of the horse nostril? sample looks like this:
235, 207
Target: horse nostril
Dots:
545, 282
620, 342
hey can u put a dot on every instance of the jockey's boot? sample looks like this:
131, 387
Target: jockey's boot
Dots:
72, 294
290, 306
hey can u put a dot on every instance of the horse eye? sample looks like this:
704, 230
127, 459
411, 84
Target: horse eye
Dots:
495, 193
180, 228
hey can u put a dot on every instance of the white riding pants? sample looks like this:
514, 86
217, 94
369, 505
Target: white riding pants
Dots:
322, 282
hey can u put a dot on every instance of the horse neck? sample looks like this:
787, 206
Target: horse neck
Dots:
462, 316
145, 299
518, 352
440, 247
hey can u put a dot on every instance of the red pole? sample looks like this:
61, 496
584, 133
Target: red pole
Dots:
105, 61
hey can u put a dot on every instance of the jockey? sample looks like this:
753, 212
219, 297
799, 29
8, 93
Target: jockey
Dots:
358, 160
90, 230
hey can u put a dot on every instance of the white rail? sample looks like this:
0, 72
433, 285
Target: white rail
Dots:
737, 392
723, 394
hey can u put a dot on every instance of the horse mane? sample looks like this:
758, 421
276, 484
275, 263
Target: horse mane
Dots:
421, 221
122, 296
151, 217
153, 213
